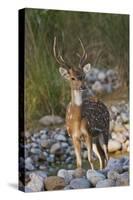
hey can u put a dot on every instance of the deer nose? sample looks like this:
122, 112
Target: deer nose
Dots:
83, 87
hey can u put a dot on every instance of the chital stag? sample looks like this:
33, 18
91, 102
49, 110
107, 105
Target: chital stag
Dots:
87, 120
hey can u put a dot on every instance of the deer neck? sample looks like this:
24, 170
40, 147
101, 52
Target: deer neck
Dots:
76, 97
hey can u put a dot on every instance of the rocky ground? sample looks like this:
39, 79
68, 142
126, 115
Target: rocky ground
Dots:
50, 147
49, 154
115, 174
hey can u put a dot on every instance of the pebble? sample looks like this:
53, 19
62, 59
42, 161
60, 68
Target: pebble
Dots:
54, 183
51, 120
113, 145
119, 137
101, 76
29, 164
85, 154
45, 143
66, 175
55, 147
79, 183
36, 183
112, 175
97, 87
114, 109
124, 117
64, 145
79, 173
123, 179
34, 145
27, 189
115, 164
27, 134
106, 183
35, 150
94, 177
61, 138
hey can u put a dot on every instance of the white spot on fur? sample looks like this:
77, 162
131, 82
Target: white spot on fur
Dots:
77, 97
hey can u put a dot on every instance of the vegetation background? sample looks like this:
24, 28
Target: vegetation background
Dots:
105, 36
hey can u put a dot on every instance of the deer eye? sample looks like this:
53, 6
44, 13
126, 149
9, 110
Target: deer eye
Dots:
73, 78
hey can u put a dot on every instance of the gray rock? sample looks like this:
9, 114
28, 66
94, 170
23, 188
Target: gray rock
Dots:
85, 154
94, 177
123, 179
42, 167
112, 175
51, 158
91, 78
34, 145
44, 132
36, 183
119, 119
28, 146
97, 87
29, 164
27, 189
110, 72
107, 87
125, 160
68, 160
68, 187
125, 168
38, 140
55, 147
101, 76
64, 145
33, 139
79, 173
114, 109
116, 164
106, 183
35, 150
51, 120
66, 175
125, 117
45, 143
36, 135
103, 171
114, 145
60, 138
79, 183
119, 137
41, 174
27, 134
44, 136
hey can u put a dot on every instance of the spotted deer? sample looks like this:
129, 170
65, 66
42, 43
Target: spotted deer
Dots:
87, 119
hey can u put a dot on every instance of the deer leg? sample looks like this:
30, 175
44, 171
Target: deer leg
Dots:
77, 147
96, 149
104, 147
88, 142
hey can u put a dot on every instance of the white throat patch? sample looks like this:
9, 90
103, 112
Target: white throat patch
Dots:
77, 97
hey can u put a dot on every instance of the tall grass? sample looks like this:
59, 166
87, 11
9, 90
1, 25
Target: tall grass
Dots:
104, 35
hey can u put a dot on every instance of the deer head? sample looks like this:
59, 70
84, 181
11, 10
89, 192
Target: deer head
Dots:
75, 75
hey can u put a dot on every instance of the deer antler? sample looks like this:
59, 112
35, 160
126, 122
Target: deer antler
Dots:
59, 57
84, 55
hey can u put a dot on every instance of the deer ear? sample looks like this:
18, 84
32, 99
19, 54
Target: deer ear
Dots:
64, 73
86, 68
